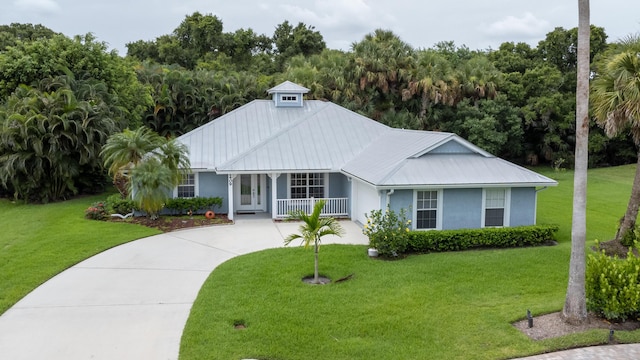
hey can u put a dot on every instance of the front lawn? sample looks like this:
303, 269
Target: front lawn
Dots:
39, 241
439, 306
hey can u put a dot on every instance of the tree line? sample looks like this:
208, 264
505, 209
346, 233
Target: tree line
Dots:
61, 97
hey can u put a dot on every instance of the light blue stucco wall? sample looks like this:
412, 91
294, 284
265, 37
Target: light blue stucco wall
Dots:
397, 201
211, 185
523, 206
461, 208
282, 186
339, 186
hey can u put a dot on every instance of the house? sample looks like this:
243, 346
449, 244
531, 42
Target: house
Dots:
282, 154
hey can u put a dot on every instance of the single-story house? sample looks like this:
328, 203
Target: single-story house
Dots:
282, 154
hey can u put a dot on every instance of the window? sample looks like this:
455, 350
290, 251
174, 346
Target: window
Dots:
426, 209
187, 188
288, 98
304, 186
495, 201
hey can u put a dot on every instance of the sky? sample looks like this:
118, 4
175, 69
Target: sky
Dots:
480, 25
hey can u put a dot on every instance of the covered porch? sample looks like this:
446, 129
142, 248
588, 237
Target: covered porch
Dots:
280, 194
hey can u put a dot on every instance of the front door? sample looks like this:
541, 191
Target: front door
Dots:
251, 193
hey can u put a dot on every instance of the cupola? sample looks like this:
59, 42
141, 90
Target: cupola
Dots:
288, 94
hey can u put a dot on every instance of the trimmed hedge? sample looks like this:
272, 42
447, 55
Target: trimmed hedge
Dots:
456, 240
180, 206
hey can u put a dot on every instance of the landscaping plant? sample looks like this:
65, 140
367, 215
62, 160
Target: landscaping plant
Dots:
387, 231
613, 285
313, 229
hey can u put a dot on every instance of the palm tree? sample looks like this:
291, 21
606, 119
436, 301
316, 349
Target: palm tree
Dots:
313, 229
150, 185
575, 307
123, 151
149, 164
173, 156
616, 106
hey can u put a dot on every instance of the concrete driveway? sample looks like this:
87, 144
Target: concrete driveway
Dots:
132, 301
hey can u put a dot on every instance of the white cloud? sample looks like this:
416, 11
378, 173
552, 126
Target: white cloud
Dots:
342, 21
38, 6
527, 25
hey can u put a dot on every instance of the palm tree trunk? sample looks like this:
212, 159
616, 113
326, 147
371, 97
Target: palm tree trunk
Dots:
316, 277
628, 222
575, 306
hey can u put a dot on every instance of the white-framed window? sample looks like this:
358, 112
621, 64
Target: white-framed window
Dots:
288, 98
428, 209
307, 185
187, 188
495, 207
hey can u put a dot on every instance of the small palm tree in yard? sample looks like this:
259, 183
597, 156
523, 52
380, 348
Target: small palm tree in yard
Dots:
149, 165
313, 229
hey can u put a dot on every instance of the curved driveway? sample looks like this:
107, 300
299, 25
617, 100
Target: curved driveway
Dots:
132, 301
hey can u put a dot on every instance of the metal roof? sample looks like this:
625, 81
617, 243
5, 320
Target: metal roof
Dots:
461, 170
323, 140
322, 136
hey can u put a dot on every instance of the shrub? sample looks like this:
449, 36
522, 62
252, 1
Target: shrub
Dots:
96, 211
117, 205
630, 236
197, 204
613, 286
456, 240
387, 231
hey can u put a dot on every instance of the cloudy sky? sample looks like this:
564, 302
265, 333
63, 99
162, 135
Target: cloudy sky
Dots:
421, 23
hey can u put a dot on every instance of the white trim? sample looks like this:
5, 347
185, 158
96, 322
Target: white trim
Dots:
196, 184
439, 207
274, 194
507, 207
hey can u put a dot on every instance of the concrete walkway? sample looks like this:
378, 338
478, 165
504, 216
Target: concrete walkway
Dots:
132, 301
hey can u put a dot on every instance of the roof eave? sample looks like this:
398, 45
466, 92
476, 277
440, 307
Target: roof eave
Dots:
462, 186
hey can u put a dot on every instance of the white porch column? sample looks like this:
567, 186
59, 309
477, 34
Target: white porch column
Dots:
274, 194
230, 196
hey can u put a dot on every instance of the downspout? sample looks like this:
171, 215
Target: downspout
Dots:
535, 214
389, 193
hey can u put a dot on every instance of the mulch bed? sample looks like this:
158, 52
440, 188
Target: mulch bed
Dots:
172, 223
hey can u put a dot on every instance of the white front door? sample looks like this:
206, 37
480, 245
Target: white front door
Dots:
250, 192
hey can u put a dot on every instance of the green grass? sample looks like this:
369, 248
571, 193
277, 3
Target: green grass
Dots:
39, 241
443, 306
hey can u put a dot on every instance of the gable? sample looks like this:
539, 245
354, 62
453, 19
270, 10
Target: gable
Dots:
451, 147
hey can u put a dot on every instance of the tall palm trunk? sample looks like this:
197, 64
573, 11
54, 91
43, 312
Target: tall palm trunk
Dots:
575, 307
628, 222
316, 276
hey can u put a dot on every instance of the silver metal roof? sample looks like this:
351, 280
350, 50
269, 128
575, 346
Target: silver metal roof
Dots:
261, 137
323, 140
322, 136
461, 170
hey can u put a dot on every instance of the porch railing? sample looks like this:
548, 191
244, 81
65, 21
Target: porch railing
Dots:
336, 207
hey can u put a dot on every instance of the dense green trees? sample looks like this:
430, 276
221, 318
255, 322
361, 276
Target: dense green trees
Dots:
50, 137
